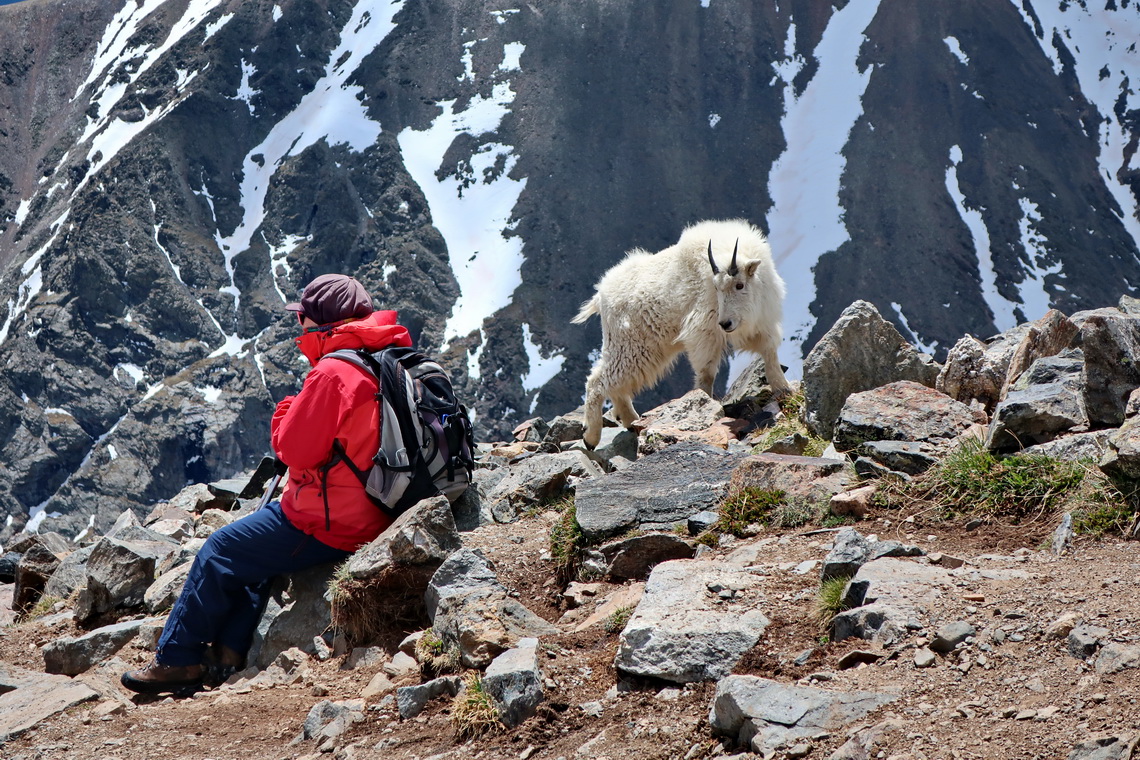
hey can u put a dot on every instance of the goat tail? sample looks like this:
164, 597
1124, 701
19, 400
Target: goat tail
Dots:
589, 309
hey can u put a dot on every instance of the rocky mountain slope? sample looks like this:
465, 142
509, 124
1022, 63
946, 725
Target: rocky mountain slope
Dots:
173, 171
696, 588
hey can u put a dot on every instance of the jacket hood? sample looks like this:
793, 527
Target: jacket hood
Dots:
376, 331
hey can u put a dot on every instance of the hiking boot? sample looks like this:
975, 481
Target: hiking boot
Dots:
155, 678
216, 674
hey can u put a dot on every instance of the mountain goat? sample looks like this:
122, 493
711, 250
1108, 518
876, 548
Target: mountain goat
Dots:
694, 296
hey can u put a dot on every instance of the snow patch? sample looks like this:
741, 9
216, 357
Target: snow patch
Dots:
542, 368
914, 339
473, 210
714, 119
806, 219
1033, 290
132, 371
245, 91
211, 394
216, 27
956, 49
1101, 38
1002, 309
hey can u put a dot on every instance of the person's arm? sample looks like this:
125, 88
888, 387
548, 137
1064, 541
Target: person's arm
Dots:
304, 426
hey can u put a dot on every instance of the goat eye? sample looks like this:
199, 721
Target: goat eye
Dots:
740, 286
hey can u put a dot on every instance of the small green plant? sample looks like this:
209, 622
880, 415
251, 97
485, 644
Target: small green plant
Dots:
745, 507
974, 480
474, 712
41, 608
709, 538
558, 502
434, 655
795, 513
829, 601
790, 423
567, 543
617, 619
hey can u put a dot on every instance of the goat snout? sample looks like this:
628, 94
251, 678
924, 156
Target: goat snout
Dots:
728, 325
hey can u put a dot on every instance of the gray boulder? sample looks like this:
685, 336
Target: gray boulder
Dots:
328, 719
693, 417
633, 558
1084, 640
514, 681
465, 570
694, 622
71, 574
1110, 341
1071, 448
1115, 657
657, 491
72, 656
888, 594
485, 622
36, 565
910, 457
1045, 401
849, 551
412, 548
950, 636
860, 352
536, 479
1122, 456
761, 715
118, 574
1104, 748
411, 700
901, 411
164, 592
299, 610
27, 698
472, 509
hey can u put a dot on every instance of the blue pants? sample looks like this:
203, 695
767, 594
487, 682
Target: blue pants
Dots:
228, 586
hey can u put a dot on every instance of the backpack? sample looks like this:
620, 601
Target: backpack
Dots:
426, 443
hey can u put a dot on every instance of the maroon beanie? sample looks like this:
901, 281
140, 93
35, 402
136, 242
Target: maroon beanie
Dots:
331, 298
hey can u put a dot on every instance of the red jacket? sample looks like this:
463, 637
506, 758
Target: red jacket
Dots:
337, 403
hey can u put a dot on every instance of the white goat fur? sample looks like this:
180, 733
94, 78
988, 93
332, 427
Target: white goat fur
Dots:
653, 306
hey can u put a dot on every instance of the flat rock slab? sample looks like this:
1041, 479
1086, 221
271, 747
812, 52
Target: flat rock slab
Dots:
656, 492
31, 697
685, 629
892, 593
761, 714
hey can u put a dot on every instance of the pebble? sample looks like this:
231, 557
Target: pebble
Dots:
924, 658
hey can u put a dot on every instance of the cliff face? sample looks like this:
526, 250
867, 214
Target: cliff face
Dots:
171, 172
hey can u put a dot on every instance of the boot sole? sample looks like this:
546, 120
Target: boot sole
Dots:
175, 688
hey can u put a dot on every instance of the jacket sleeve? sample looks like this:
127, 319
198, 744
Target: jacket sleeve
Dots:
304, 426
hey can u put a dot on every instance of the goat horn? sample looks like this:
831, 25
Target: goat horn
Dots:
711, 262
732, 270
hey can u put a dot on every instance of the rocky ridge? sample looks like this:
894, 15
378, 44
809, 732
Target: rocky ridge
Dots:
154, 215
968, 638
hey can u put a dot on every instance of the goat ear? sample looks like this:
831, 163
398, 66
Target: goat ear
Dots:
750, 268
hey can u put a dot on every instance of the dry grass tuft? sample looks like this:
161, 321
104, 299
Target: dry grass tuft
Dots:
474, 712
